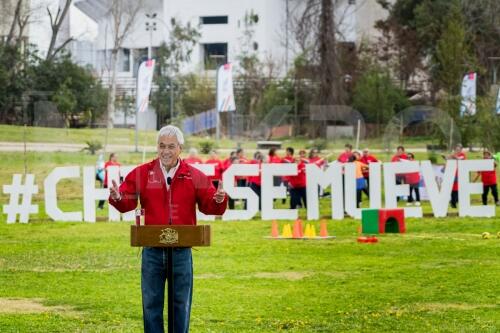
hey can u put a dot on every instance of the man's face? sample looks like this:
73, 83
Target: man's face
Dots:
365, 152
169, 150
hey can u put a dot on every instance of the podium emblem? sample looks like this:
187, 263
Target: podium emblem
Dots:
169, 236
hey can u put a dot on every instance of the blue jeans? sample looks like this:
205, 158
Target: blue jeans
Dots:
153, 278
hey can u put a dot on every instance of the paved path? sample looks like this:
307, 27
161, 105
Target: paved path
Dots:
76, 147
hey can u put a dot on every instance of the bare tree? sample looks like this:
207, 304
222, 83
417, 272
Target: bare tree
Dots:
55, 24
315, 28
123, 14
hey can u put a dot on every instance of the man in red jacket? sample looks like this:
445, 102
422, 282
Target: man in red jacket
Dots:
168, 189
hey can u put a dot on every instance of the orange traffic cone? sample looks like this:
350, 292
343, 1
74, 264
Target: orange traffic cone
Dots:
301, 229
323, 230
274, 229
297, 229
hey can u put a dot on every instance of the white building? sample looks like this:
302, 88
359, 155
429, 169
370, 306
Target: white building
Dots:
222, 27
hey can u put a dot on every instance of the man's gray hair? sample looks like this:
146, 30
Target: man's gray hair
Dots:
171, 130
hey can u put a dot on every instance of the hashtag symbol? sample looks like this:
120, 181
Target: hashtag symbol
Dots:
26, 191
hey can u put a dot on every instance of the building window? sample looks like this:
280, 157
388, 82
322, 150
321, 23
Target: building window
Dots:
214, 55
214, 20
124, 60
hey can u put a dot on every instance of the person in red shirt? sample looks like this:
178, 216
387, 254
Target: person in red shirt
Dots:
255, 181
169, 190
346, 155
458, 154
489, 180
214, 159
193, 157
314, 158
113, 160
297, 184
413, 180
367, 158
400, 157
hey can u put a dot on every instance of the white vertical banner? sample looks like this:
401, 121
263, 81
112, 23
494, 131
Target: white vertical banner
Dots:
225, 94
144, 82
497, 107
468, 93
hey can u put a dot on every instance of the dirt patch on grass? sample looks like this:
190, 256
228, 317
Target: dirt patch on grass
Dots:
32, 305
437, 307
208, 276
292, 276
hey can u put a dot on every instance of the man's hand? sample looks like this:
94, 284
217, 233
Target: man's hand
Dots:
220, 194
114, 192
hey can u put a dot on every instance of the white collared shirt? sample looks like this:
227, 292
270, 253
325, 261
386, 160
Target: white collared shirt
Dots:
170, 173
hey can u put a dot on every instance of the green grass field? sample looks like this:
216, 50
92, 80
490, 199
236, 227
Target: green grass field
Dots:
440, 276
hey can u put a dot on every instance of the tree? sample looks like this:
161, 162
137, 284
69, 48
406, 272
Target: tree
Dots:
170, 56
123, 15
376, 97
55, 25
66, 103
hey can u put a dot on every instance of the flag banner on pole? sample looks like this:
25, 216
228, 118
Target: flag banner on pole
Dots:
498, 102
468, 92
144, 82
225, 94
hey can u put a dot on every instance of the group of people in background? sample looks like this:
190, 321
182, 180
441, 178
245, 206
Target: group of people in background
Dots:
296, 185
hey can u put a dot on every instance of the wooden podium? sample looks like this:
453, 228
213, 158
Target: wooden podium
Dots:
170, 236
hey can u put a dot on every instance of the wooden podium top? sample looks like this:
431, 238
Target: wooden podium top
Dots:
170, 235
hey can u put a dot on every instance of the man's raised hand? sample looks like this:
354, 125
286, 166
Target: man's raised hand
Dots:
220, 194
114, 192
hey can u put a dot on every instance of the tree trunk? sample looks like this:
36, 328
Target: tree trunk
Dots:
330, 91
112, 89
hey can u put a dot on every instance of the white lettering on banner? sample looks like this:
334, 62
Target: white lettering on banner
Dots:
331, 176
114, 173
50, 194
375, 170
91, 194
439, 199
466, 188
208, 170
439, 195
240, 192
269, 192
393, 190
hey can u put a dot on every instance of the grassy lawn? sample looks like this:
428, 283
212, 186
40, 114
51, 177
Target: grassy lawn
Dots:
121, 136
81, 277
440, 276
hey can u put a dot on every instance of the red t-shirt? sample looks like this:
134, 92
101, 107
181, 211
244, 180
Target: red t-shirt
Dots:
398, 158
318, 161
255, 179
298, 181
488, 177
344, 157
412, 178
367, 159
274, 159
218, 168
193, 160
106, 165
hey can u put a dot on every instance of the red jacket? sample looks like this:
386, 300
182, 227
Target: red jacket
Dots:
190, 186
